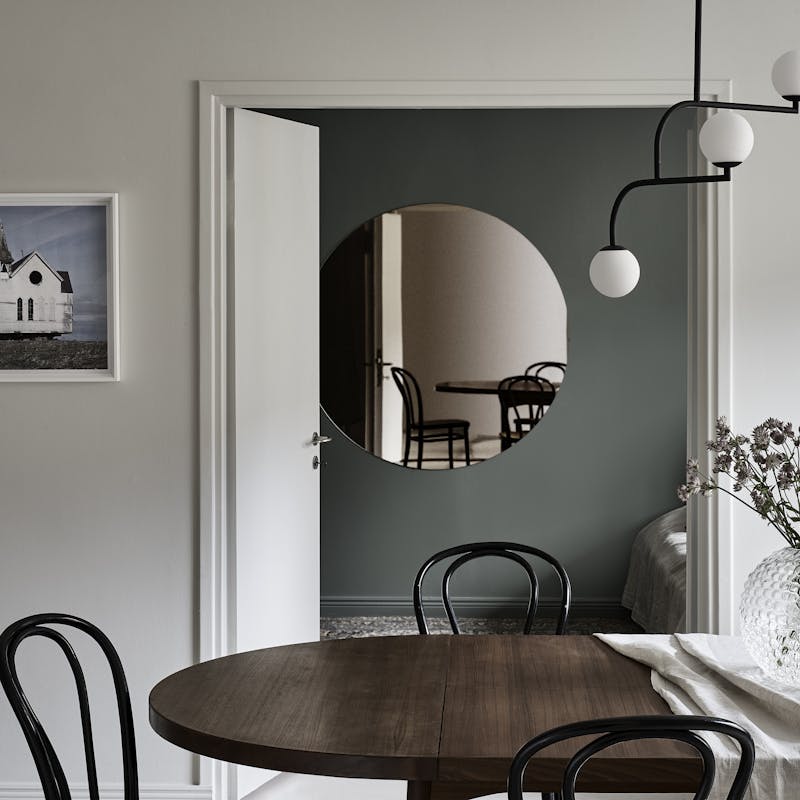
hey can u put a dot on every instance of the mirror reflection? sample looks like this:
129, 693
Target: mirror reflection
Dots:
443, 336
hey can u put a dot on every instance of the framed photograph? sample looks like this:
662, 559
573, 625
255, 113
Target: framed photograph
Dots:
59, 315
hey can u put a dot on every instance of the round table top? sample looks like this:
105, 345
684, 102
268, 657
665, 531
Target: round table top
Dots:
485, 387
418, 708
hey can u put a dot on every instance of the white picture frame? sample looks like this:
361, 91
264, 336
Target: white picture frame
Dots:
59, 287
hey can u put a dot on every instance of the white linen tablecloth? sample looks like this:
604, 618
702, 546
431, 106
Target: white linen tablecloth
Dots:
715, 676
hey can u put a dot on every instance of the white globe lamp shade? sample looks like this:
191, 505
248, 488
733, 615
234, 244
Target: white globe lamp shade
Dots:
726, 139
786, 75
614, 271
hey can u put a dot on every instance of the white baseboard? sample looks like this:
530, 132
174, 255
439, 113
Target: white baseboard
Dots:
113, 791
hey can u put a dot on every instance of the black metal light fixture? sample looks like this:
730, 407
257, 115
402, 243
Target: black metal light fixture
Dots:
726, 140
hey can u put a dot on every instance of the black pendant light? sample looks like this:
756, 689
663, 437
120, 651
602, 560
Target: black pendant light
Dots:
726, 140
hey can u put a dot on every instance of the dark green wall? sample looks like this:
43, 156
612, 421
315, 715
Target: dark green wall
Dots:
609, 454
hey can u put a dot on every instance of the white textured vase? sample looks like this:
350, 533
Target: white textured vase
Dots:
770, 614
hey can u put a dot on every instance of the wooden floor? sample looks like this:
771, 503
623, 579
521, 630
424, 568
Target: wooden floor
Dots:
481, 449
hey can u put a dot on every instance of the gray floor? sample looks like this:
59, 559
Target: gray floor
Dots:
350, 627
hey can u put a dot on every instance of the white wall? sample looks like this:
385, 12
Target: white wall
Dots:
100, 95
765, 275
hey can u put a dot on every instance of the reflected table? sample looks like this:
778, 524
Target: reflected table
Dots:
445, 713
490, 387
531, 395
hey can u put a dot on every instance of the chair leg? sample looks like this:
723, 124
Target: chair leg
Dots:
419, 451
450, 446
466, 446
407, 452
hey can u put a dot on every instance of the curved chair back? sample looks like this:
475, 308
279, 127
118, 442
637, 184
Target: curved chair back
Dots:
461, 554
523, 402
553, 370
51, 773
412, 397
681, 728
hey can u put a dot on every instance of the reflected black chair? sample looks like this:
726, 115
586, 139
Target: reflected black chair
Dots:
463, 553
524, 399
418, 429
552, 370
51, 773
624, 729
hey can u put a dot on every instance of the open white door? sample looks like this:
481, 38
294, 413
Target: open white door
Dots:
389, 261
273, 295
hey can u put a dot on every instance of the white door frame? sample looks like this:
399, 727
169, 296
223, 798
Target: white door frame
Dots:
709, 355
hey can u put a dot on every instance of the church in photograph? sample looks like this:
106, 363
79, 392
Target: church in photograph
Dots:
35, 299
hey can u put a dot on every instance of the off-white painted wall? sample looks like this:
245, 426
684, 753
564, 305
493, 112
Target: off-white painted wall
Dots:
98, 482
479, 301
765, 275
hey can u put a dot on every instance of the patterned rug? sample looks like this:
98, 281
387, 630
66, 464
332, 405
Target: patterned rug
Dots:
350, 627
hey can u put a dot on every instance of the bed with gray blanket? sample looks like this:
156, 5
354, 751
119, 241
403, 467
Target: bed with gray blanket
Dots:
655, 591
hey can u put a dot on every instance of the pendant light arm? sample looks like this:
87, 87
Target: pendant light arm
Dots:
792, 109
660, 130
685, 179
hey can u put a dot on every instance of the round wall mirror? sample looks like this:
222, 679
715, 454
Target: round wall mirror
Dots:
443, 336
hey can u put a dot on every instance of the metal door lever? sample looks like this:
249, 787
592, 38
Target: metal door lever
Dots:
317, 439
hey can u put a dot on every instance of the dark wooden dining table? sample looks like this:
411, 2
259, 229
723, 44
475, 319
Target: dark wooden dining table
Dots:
444, 713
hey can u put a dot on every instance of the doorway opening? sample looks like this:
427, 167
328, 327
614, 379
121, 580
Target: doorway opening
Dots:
709, 378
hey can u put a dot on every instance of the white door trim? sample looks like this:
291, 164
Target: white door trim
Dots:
710, 596
710, 315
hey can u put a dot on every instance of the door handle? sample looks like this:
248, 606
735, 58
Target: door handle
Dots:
379, 367
378, 364
317, 439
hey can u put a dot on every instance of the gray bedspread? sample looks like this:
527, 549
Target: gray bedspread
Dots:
655, 591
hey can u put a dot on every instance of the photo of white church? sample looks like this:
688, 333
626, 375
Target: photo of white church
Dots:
35, 299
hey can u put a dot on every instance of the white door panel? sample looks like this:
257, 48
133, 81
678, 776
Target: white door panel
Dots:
390, 249
273, 295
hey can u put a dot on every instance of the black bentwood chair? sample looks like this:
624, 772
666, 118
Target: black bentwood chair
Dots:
51, 773
524, 399
624, 729
553, 370
464, 553
420, 430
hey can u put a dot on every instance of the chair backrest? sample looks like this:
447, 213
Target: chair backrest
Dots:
523, 402
553, 370
412, 396
461, 554
682, 728
51, 773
